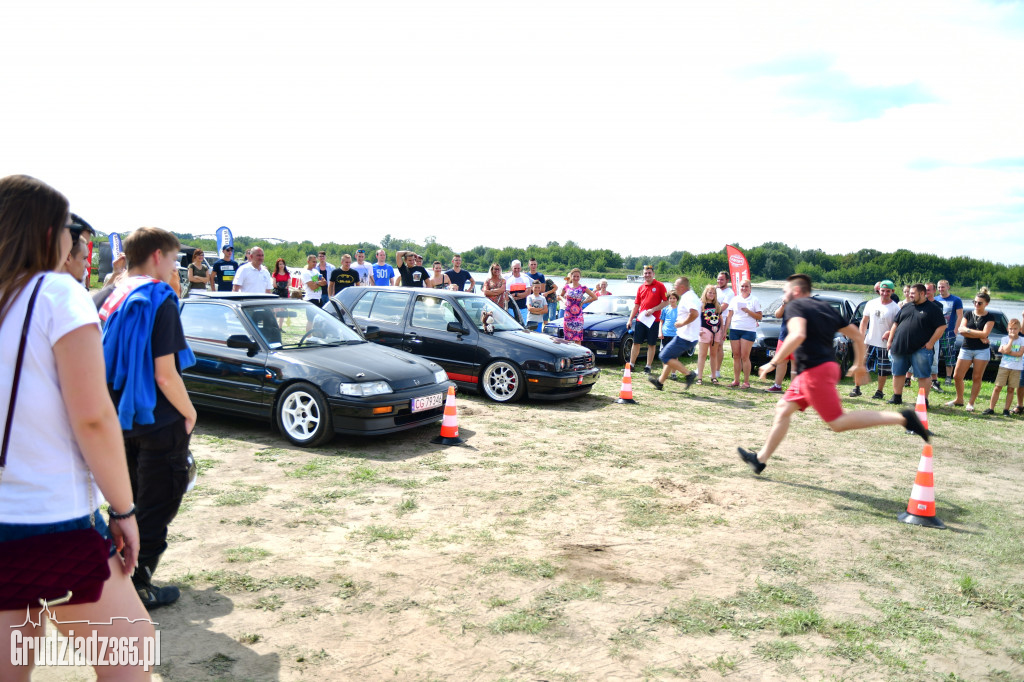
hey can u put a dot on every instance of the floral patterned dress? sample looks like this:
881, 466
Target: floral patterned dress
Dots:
572, 323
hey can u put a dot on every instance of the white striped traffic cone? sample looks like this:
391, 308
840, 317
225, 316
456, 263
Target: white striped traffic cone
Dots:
626, 392
450, 422
921, 507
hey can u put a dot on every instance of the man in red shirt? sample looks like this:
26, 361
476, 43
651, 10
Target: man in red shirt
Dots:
651, 297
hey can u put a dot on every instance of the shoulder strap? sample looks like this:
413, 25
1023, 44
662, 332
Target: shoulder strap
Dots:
17, 371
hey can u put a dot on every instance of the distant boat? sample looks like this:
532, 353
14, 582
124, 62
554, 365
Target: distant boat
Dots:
635, 279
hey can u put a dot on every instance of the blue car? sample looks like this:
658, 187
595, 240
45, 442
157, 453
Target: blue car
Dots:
604, 327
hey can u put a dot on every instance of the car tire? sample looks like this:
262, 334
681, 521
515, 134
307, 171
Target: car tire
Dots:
303, 415
625, 348
502, 382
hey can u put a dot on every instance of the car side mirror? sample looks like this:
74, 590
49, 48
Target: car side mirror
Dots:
243, 341
371, 332
457, 328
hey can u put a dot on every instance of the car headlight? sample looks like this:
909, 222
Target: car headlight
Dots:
440, 376
562, 364
366, 388
551, 330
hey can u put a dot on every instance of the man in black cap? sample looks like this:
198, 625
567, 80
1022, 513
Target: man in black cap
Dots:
224, 269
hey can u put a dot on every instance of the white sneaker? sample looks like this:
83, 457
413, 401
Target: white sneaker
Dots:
970, 407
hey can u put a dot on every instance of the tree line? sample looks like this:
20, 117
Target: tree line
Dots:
771, 260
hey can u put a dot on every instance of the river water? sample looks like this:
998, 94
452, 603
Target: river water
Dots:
766, 295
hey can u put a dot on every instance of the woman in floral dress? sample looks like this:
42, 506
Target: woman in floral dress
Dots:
575, 296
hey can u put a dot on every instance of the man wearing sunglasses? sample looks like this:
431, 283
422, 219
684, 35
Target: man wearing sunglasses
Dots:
224, 269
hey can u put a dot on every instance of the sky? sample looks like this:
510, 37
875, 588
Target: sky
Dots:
641, 127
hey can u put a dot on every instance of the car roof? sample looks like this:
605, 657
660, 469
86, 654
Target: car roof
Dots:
421, 290
233, 296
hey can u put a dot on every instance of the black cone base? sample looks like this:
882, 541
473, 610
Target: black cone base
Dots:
926, 521
447, 440
626, 400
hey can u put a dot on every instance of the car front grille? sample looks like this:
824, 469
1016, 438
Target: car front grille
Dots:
583, 363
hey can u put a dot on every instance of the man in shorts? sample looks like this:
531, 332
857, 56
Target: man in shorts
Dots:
651, 297
911, 343
686, 338
812, 325
879, 314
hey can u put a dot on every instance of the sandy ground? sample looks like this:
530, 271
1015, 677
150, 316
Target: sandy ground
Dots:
591, 540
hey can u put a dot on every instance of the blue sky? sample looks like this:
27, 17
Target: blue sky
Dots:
641, 127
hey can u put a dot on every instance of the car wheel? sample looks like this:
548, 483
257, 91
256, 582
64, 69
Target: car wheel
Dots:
503, 382
304, 416
625, 349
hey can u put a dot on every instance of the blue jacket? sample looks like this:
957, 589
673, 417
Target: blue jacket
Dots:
128, 352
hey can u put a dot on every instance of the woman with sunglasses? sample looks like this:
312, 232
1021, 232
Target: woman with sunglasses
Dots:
494, 287
975, 353
65, 447
744, 316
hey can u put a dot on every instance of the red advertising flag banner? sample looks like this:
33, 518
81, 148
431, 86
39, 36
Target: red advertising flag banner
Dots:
738, 268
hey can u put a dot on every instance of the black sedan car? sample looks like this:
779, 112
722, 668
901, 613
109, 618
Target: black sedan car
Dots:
768, 333
604, 327
497, 356
267, 357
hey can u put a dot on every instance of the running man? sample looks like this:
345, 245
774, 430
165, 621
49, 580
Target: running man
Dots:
811, 326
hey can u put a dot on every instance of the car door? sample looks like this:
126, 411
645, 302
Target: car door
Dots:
226, 378
427, 335
385, 310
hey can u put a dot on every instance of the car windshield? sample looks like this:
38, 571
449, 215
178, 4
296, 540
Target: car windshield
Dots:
476, 306
611, 305
295, 324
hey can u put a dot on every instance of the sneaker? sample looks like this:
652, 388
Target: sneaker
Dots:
855, 393
949, 381
878, 396
914, 424
647, 369
970, 407
689, 379
1006, 413
936, 386
774, 388
154, 597
751, 459
989, 411
657, 384
895, 400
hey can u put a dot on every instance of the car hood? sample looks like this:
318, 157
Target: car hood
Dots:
543, 342
375, 363
600, 322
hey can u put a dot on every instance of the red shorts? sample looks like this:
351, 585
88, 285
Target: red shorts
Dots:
816, 387
778, 346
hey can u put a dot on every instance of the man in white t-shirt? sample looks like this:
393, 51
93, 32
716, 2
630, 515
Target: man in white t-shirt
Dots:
725, 295
363, 268
879, 314
252, 277
310, 286
519, 285
686, 338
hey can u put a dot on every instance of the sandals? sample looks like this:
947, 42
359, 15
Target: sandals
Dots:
715, 382
734, 384
699, 382
1017, 410
745, 384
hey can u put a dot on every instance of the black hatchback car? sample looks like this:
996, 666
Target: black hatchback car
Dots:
501, 359
286, 360
768, 333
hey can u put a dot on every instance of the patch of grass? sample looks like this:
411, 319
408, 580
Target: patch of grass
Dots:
697, 617
271, 602
788, 564
645, 513
498, 602
314, 468
777, 650
219, 664
571, 591
252, 522
406, 483
243, 494
245, 555
328, 495
363, 474
348, 587
408, 504
521, 568
798, 622
531, 621
269, 454
203, 465
249, 637
373, 533
723, 665
233, 581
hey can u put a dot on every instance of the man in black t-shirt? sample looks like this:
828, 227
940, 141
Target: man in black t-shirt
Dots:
916, 329
811, 325
156, 414
344, 277
224, 269
460, 277
412, 275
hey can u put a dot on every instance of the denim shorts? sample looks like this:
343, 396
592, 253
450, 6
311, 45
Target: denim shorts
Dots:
19, 531
739, 334
972, 355
675, 347
920, 361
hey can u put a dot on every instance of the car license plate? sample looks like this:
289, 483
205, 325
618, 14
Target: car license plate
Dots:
427, 402
770, 352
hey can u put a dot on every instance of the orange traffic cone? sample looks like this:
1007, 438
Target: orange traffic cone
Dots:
921, 507
450, 422
626, 392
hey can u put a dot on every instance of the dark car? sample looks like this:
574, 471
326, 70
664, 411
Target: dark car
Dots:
770, 327
604, 327
271, 358
505, 361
